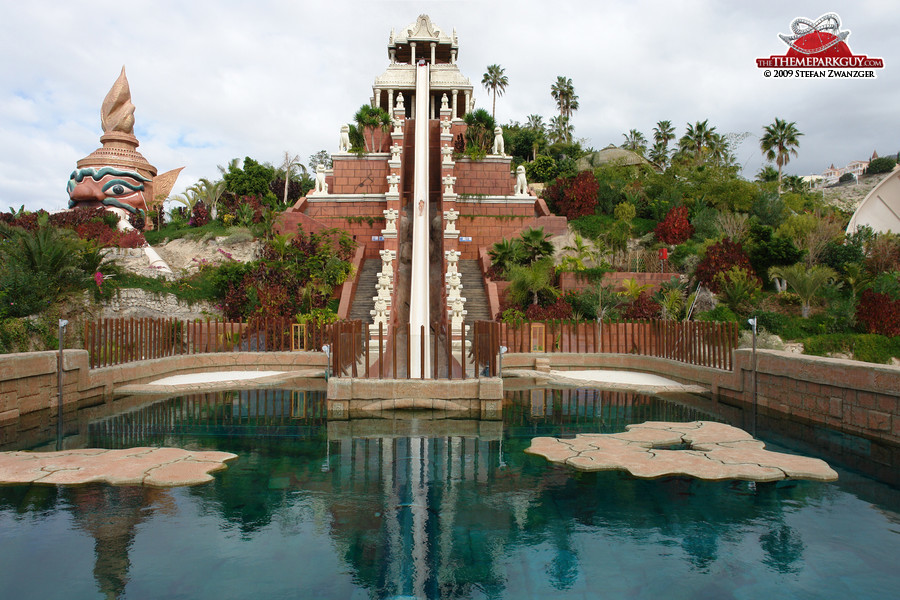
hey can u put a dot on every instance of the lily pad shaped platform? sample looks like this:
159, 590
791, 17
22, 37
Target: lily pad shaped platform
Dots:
701, 449
157, 467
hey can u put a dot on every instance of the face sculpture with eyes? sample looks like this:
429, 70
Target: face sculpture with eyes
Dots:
116, 176
108, 187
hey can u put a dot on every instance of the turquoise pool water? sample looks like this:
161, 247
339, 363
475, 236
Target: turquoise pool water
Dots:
435, 508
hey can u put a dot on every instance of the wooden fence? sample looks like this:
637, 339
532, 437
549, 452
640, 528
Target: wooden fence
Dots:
118, 341
699, 343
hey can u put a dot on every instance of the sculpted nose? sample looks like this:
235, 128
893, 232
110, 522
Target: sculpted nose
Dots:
88, 190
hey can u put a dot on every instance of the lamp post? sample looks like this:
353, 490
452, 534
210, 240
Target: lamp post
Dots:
752, 323
59, 381
327, 350
503, 350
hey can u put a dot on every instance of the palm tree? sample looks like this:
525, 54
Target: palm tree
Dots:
719, 150
697, 139
635, 141
779, 142
368, 119
495, 81
663, 133
532, 281
536, 244
805, 281
561, 131
564, 93
209, 193
506, 253
290, 163
535, 122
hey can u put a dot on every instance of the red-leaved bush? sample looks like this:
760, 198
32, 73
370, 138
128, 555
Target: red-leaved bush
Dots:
558, 310
675, 228
721, 257
574, 197
644, 307
879, 313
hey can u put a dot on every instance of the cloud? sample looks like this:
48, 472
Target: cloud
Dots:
217, 80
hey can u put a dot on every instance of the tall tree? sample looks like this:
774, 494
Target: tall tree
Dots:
210, 192
663, 133
368, 120
635, 141
564, 93
535, 122
561, 131
697, 139
495, 81
779, 142
288, 165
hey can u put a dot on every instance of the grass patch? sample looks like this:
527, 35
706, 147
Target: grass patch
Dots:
866, 347
593, 226
176, 232
196, 288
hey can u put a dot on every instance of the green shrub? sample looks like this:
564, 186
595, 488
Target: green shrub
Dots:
865, 347
542, 169
882, 164
719, 314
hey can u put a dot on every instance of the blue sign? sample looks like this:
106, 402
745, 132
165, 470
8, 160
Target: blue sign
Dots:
465, 239
377, 238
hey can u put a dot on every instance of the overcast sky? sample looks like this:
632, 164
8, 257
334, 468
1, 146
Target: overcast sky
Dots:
215, 80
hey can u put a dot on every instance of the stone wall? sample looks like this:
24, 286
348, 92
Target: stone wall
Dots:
360, 175
850, 396
491, 176
28, 383
137, 303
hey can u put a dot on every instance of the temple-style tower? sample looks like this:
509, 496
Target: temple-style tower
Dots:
423, 40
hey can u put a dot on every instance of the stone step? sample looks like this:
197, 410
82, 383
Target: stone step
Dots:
365, 291
473, 289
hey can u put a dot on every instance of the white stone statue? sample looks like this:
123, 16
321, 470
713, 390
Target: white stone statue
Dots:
393, 182
380, 314
521, 183
454, 286
449, 182
457, 313
387, 259
344, 145
390, 218
399, 105
321, 184
452, 260
445, 127
447, 151
451, 216
398, 125
396, 149
383, 288
499, 146
445, 103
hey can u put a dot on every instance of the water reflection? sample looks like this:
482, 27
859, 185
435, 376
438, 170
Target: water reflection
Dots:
438, 508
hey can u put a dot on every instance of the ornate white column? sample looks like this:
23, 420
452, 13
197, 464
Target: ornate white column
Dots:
453, 56
433, 45
377, 97
468, 102
412, 49
393, 56
390, 99
455, 112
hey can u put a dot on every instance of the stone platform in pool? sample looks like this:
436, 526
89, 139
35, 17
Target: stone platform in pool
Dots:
214, 381
157, 467
701, 449
608, 379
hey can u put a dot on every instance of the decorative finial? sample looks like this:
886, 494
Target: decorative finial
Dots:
117, 111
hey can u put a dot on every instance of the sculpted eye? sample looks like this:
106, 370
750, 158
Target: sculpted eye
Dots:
118, 190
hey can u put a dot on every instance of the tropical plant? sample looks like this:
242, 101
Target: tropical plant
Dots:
210, 193
479, 135
542, 169
697, 140
495, 81
738, 289
805, 281
535, 122
663, 133
733, 225
561, 131
563, 93
675, 228
882, 164
506, 253
632, 290
779, 142
527, 284
635, 141
288, 165
370, 119
535, 245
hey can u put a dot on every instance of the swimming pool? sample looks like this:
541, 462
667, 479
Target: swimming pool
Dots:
417, 506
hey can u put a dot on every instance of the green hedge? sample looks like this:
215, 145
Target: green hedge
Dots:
862, 346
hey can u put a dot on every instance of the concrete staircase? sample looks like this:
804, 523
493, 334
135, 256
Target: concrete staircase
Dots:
365, 291
473, 289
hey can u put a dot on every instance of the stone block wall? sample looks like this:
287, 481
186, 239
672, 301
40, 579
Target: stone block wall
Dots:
137, 303
488, 177
360, 175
